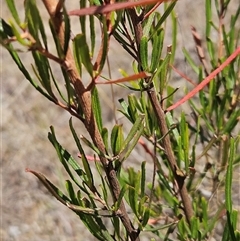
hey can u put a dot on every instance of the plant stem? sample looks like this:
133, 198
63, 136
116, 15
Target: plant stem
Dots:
166, 143
84, 94
179, 177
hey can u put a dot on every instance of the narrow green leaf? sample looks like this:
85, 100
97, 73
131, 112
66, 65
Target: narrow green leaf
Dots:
57, 42
13, 10
133, 143
184, 132
144, 52
135, 128
93, 223
174, 130
51, 187
22, 68
125, 107
194, 227
143, 178
66, 159
174, 35
148, 24
234, 217
157, 50
134, 182
18, 36
93, 147
117, 139
71, 94
82, 54
92, 33
96, 107
161, 73
34, 22
105, 44
71, 192
212, 52
32, 18
141, 206
212, 222
229, 229
146, 217
117, 228
56, 84
204, 212
105, 137
77, 56
6, 29
121, 195
183, 229
191, 61
208, 8
82, 19
132, 110
231, 123
234, 18
229, 175
43, 67
67, 30
89, 180
163, 17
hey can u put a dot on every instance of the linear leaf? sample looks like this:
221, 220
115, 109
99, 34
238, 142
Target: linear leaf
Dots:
66, 159
105, 137
71, 192
135, 128
67, 31
92, 34
143, 178
144, 52
229, 175
5, 29
89, 180
163, 17
117, 139
121, 195
51, 187
22, 68
13, 10
82, 54
157, 50
104, 45
96, 107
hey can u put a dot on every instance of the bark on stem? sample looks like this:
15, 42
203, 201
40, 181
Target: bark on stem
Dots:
166, 143
54, 9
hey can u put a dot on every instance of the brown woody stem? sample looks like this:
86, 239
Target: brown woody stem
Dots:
84, 94
188, 210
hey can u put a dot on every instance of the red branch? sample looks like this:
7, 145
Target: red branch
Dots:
112, 7
206, 80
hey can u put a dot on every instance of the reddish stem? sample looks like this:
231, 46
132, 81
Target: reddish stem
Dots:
206, 80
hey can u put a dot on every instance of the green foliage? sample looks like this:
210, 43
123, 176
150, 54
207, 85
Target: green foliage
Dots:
158, 204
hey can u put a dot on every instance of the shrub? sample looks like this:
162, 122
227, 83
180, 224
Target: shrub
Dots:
172, 204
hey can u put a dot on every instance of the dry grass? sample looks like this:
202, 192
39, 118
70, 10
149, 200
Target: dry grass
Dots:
28, 212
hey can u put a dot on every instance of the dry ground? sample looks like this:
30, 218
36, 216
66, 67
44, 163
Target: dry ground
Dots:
27, 211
